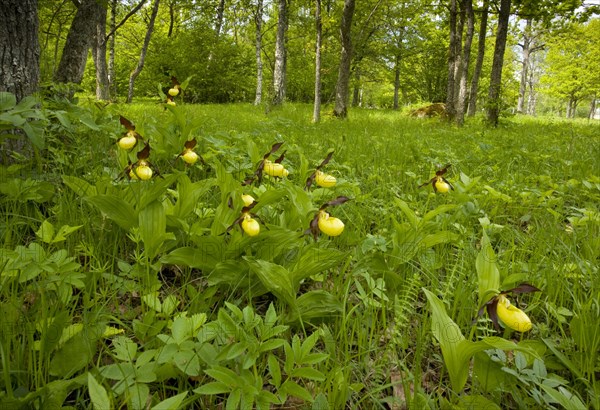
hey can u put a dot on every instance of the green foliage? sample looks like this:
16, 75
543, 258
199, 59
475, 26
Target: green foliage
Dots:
147, 294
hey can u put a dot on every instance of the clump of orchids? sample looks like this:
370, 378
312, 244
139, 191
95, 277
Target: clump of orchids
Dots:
503, 313
141, 169
319, 177
324, 222
438, 182
266, 166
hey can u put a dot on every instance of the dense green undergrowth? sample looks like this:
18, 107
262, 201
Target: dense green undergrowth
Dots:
120, 293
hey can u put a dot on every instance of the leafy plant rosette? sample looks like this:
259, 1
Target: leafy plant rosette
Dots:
456, 349
499, 307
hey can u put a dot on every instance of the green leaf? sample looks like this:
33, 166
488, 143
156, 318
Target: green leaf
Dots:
477, 402
74, 355
275, 278
274, 370
46, 232
35, 133
320, 402
315, 260
213, 388
79, 186
65, 231
292, 388
442, 209
487, 271
172, 403
224, 375
315, 304
448, 334
188, 362
115, 209
564, 397
308, 373
153, 225
413, 219
98, 394
205, 256
7, 101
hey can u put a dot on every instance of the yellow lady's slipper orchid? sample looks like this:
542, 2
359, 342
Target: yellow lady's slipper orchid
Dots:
190, 156
142, 171
171, 102
330, 225
442, 186
250, 225
127, 142
512, 316
173, 92
324, 180
275, 169
247, 199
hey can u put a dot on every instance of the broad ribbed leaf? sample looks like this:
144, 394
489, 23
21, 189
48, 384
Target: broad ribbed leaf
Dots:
487, 271
275, 278
115, 209
153, 225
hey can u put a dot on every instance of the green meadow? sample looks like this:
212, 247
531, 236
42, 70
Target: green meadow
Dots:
119, 292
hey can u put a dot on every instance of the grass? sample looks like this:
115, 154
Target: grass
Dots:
533, 185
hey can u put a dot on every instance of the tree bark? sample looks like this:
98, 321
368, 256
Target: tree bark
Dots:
112, 83
464, 66
526, 46
342, 87
479, 62
397, 82
99, 54
494, 99
452, 57
19, 61
319, 33
219, 18
140, 65
80, 37
279, 72
592, 108
19, 47
258, 46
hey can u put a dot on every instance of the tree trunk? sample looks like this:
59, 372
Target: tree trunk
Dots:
479, 63
592, 108
452, 57
19, 60
319, 32
140, 65
219, 19
464, 66
342, 87
171, 18
112, 83
356, 97
20, 47
259, 65
99, 54
280, 55
397, 82
526, 46
494, 99
80, 37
